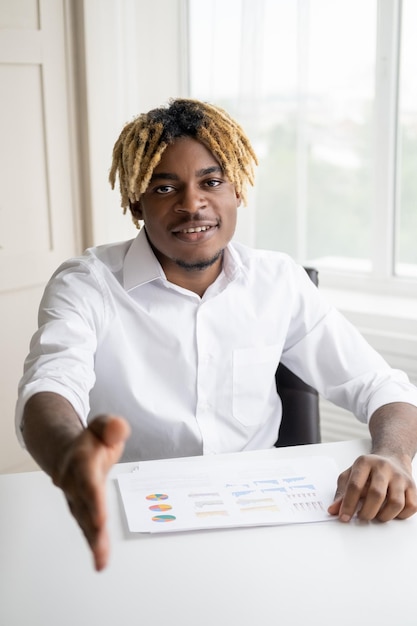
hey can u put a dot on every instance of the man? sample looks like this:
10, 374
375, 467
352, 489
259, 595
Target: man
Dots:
180, 332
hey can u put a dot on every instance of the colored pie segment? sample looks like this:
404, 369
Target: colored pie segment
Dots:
160, 507
157, 496
163, 518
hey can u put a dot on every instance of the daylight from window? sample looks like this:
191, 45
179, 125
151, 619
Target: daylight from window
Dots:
300, 77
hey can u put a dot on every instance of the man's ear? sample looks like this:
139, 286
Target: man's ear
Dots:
136, 209
238, 198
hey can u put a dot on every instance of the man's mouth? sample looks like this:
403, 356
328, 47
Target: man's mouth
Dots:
196, 229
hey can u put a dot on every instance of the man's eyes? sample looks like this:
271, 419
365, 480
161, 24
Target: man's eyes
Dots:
211, 183
164, 189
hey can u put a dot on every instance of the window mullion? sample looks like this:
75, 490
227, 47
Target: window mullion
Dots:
302, 129
386, 101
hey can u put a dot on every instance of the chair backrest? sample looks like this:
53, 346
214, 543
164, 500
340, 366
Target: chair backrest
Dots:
300, 403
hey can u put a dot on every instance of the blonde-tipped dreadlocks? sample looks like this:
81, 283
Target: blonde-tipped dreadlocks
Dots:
141, 143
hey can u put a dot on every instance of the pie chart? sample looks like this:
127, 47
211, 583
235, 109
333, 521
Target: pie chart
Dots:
160, 507
163, 518
157, 496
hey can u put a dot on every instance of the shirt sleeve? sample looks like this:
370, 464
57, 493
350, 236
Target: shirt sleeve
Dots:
331, 355
61, 357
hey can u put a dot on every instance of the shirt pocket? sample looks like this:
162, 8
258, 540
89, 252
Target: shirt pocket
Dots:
254, 382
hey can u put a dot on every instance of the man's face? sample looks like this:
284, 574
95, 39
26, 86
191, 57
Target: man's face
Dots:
189, 208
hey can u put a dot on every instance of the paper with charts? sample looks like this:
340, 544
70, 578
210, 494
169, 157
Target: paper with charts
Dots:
166, 496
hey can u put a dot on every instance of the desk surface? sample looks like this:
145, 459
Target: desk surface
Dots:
324, 573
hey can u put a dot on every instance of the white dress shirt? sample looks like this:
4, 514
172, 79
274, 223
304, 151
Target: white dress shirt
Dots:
196, 375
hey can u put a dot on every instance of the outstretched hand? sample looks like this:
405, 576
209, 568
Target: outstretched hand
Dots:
375, 487
83, 475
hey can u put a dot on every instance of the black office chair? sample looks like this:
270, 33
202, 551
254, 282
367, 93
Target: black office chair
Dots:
300, 403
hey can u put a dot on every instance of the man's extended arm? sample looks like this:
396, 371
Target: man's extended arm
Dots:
77, 459
380, 485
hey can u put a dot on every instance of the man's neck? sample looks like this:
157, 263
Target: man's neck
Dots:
196, 280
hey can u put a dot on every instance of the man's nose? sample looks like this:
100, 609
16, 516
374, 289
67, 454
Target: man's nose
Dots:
191, 200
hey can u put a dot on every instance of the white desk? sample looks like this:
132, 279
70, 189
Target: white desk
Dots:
326, 573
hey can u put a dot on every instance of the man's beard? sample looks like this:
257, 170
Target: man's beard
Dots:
199, 265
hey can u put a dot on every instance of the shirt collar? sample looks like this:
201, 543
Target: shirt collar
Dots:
141, 265
232, 263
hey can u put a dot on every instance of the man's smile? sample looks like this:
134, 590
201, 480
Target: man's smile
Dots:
194, 232
196, 229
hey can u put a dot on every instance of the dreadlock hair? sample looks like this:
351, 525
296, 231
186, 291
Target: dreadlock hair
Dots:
142, 142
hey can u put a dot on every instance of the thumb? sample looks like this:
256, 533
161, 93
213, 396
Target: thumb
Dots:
334, 508
110, 429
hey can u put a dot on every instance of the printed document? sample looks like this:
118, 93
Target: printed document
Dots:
180, 495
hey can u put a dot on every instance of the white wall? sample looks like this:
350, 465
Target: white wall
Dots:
92, 64
38, 212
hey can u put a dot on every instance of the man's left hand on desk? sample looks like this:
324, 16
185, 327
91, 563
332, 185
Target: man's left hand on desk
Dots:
375, 487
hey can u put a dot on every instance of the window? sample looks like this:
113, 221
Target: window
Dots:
327, 93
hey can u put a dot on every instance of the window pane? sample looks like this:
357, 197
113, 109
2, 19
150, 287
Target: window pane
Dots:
407, 172
316, 175
303, 88
215, 45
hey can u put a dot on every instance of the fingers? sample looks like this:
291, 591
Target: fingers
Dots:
338, 507
355, 494
334, 508
83, 479
410, 504
101, 550
92, 521
85, 490
375, 487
